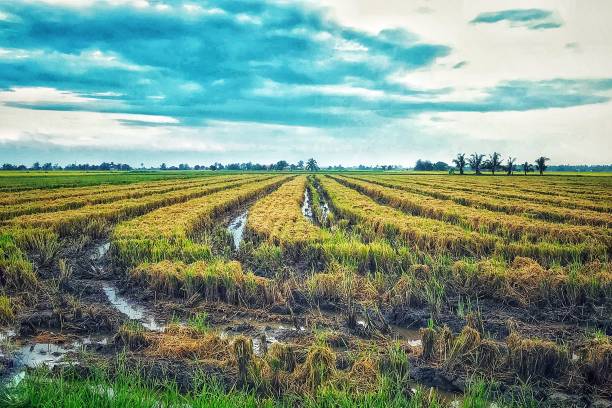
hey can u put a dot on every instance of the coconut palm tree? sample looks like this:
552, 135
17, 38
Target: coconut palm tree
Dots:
527, 167
510, 165
494, 162
541, 164
311, 165
460, 162
475, 162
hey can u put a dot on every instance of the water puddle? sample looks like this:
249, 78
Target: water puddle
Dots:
269, 332
7, 335
32, 355
131, 310
306, 209
236, 228
410, 336
100, 251
324, 211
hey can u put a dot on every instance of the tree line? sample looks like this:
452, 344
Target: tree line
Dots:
476, 162
309, 165
493, 163
104, 166
479, 162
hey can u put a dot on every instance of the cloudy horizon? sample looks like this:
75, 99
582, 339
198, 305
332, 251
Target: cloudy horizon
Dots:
345, 81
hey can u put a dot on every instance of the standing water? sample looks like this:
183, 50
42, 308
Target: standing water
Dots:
100, 251
306, 209
324, 211
133, 311
236, 228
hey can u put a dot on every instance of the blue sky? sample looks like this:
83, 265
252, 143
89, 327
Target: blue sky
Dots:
343, 81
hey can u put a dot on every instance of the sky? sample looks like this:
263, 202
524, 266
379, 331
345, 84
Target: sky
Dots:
344, 81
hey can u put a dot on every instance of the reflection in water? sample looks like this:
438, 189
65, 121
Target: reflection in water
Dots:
132, 310
100, 251
306, 209
236, 228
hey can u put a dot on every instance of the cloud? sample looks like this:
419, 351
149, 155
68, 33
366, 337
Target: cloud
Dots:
198, 64
285, 64
246, 77
533, 19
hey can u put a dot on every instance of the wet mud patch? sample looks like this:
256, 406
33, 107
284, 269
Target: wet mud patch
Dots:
236, 228
307, 208
131, 309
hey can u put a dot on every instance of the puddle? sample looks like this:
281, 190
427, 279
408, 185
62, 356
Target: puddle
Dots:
34, 355
306, 209
324, 211
410, 336
450, 398
131, 310
236, 228
5, 342
100, 251
272, 332
6, 335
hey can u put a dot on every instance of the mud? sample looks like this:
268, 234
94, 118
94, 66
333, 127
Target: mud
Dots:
90, 323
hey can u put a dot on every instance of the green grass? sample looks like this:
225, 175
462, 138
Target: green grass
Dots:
14, 180
23, 180
129, 389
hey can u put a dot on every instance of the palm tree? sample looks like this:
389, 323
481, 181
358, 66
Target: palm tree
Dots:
527, 167
541, 164
510, 165
460, 162
494, 163
475, 162
311, 165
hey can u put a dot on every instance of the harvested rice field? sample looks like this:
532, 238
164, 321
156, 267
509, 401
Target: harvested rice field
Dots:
305, 289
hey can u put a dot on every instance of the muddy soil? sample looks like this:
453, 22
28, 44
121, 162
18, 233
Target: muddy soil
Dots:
85, 313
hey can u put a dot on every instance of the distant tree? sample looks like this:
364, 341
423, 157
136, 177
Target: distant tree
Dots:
423, 165
184, 166
281, 165
475, 162
300, 165
439, 166
460, 162
493, 163
212, 167
21, 167
36, 166
311, 165
581, 167
292, 167
510, 165
47, 166
527, 167
541, 164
